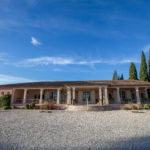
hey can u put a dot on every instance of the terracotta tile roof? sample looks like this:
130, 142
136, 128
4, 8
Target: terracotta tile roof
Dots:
110, 83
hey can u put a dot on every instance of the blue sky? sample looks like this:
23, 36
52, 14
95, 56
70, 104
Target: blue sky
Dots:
48, 40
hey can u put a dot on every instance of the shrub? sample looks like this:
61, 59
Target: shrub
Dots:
6, 107
74, 101
134, 107
146, 106
32, 105
124, 108
47, 105
139, 106
36, 101
13, 107
5, 100
26, 106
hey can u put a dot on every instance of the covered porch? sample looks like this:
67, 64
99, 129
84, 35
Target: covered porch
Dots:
79, 95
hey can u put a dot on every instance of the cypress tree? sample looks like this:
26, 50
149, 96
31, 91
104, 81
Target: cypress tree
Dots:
149, 67
115, 77
132, 72
122, 78
143, 68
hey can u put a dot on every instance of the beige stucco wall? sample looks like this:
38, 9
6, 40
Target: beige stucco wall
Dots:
5, 91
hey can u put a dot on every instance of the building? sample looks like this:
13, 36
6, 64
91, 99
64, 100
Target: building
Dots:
107, 91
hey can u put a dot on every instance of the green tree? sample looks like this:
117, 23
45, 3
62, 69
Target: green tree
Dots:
115, 76
149, 67
121, 77
143, 68
132, 72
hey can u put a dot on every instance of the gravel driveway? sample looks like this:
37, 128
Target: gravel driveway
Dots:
108, 130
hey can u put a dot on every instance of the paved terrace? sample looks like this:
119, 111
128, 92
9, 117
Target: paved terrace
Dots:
29, 129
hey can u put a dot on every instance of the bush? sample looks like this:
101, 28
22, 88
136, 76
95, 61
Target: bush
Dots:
47, 106
35, 101
13, 107
32, 105
74, 101
139, 106
5, 100
26, 106
146, 106
6, 107
124, 108
134, 107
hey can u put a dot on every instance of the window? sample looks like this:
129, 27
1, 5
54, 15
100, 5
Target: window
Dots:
53, 95
123, 95
142, 95
133, 96
86, 95
2, 93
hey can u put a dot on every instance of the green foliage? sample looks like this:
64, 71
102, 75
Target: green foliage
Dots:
115, 76
26, 106
122, 78
146, 106
143, 68
32, 105
5, 100
139, 106
6, 107
149, 67
35, 101
74, 101
132, 72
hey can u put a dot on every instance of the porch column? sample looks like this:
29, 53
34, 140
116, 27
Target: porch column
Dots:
137, 95
118, 95
58, 96
100, 94
106, 95
25, 96
12, 97
146, 94
73, 94
41, 96
68, 95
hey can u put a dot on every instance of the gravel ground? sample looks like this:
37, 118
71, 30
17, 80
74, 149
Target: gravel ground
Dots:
108, 130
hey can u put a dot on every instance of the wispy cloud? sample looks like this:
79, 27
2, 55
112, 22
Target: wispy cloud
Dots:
34, 41
70, 61
6, 79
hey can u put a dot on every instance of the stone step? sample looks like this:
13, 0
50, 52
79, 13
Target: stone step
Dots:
84, 108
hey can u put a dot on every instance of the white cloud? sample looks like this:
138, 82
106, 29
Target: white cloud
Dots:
147, 48
34, 41
69, 61
7, 79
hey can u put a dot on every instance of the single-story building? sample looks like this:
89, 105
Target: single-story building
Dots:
60, 92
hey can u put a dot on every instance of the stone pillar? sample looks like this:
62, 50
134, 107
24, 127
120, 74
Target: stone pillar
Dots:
41, 96
25, 96
146, 94
73, 93
137, 95
12, 97
100, 93
118, 95
58, 96
106, 95
68, 95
